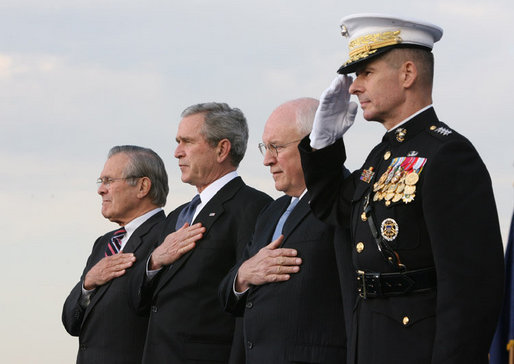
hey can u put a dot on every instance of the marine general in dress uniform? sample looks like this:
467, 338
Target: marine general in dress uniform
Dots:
427, 249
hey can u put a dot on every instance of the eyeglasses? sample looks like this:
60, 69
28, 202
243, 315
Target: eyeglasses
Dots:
273, 148
106, 181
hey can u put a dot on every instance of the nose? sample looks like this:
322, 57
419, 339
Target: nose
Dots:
355, 86
269, 159
179, 152
102, 190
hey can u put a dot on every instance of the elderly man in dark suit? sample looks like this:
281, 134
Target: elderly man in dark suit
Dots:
179, 284
133, 186
286, 286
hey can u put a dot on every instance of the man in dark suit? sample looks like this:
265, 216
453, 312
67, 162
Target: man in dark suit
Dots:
286, 286
179, 284
426, 244
133, 186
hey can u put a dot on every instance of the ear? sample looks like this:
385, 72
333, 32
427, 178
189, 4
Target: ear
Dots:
409, 74
223, 150
144, 184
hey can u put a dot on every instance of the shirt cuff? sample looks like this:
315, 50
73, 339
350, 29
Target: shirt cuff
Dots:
236, 293
150, 274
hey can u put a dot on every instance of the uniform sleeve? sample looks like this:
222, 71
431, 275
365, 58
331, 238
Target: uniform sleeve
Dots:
462, 222
330, 189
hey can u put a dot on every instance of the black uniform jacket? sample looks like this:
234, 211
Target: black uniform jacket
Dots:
448, 220
109, 329
187, 323
300, 320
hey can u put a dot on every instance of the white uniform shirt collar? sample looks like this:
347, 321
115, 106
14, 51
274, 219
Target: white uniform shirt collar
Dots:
410, 117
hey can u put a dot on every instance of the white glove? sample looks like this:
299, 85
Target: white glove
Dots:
335, 113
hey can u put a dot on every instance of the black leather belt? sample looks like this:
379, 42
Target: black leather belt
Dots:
371, 285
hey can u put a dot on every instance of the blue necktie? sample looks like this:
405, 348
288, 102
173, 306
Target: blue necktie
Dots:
186, 215
283, 218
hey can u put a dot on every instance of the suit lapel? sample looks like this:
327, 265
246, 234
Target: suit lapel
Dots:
131, 247
301, 210
210, 213
276, 212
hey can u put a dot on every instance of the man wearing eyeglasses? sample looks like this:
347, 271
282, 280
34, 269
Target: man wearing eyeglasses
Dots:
133, 186
286, 286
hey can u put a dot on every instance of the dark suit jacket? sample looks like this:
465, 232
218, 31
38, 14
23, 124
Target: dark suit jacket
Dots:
109, 330
300, 320
187, 324
451, 224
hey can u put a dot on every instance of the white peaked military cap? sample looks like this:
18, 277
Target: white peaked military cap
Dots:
370, 35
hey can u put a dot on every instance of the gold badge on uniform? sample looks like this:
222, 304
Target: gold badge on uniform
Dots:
389, 229
400, 134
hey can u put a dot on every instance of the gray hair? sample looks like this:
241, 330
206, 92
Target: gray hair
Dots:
223, 122
305, 110
144, 162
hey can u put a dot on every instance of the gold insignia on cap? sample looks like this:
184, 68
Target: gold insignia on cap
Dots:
368, 44
387, 155
389, 229
400, 134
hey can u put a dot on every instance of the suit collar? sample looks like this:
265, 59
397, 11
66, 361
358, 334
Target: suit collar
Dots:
131, 247
208, 216
301, 210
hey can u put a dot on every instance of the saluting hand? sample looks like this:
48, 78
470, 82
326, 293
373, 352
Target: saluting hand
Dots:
270, 264
107, 269
335, 113
175, 245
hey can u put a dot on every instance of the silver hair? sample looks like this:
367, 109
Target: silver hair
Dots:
223, 122
305, 110
144, 162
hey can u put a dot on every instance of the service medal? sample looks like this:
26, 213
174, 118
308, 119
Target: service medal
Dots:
397, 197
411, 179
391, 188
410, 190
367, 175
400, 188
389, 195
389, 229
408, 198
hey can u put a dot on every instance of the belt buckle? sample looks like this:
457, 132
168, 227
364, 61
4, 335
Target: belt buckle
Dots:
361, 276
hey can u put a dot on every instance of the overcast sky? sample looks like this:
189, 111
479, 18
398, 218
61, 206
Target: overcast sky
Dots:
78, 77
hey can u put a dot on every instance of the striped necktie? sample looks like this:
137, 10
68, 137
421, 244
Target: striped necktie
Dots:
187, 213
114, 245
